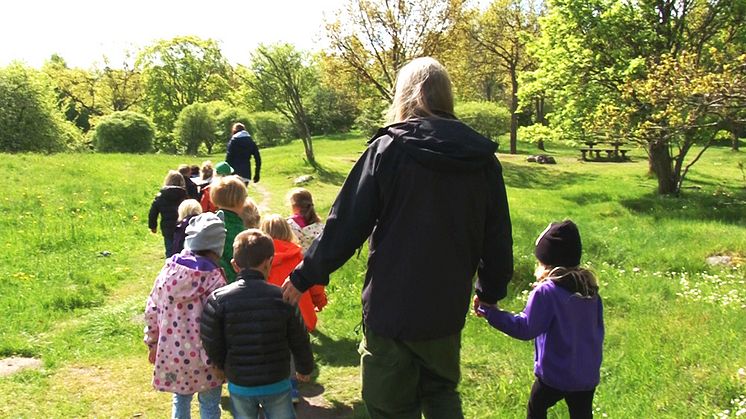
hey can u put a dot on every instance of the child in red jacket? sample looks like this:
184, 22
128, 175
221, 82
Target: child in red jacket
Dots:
287, 256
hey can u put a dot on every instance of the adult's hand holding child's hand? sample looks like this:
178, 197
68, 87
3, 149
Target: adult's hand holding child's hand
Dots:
290, 294
480, 308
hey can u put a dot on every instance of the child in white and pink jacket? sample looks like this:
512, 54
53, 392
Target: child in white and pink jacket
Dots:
172, 316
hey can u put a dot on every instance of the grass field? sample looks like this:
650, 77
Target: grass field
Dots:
676, 326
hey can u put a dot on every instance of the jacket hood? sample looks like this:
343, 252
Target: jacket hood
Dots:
241, 134
173, 192
200, 276
442, 143
287, 256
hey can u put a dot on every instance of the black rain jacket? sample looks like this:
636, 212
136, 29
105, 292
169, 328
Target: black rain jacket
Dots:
166, 203
430, 195
249, 332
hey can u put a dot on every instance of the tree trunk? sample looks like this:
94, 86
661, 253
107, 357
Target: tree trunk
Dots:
734, 143
661, 165
307, 143
539, 107
513, 111
540, 118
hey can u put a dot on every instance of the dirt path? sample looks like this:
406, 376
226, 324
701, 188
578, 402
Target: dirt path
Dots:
266, 196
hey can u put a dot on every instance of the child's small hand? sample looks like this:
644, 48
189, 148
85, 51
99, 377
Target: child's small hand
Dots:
219, 374
151, 356
152, 230
480, 308
302, 378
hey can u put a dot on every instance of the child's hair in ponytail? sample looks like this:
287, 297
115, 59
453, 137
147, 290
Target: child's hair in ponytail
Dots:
301, 199
580, 281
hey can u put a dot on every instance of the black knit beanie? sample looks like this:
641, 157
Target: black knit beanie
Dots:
559, 245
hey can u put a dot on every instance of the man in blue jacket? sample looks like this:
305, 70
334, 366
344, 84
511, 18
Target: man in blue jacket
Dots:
241, 148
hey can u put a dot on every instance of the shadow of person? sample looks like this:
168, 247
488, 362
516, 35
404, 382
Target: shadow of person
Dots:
316, 407
340, 352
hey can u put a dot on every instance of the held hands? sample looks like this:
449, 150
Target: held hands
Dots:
290, 294
480, 308
302, 378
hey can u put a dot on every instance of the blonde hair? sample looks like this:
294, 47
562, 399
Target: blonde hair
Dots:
174, 178
250, 214
582, 280
189, 207
228, 192
423, 88
251, 248
277, 227
301, 199
206, 169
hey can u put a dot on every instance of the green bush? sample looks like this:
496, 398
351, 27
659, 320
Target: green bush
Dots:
195, 126
330, 111
271, 129
487, 118
29, 117
124, 132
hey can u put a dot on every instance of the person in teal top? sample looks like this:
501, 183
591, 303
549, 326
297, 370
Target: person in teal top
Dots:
229, 194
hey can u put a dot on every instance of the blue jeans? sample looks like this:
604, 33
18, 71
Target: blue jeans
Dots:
168, 243
274, 406
209, 404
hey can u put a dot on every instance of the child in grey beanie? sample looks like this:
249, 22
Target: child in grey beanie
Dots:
205, 232
172, 315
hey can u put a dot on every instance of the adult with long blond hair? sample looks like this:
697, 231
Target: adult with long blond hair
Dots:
429, 193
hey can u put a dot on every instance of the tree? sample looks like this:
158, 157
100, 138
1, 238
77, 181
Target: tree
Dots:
282, 77
124, 132
194, 127
76, 91
502, 33
29, 117
376, 38
121, 87
179, 72
610, 66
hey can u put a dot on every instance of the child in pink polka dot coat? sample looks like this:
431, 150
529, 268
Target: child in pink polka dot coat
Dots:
172, 316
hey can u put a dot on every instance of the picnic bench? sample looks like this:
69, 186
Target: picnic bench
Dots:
606, 151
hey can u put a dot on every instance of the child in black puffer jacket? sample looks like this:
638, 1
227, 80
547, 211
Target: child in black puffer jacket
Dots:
166, 203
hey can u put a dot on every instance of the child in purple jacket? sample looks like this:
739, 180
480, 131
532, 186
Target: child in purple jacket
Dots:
565, 315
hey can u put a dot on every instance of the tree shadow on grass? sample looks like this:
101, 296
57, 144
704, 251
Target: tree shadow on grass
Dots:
539, 177
341, 353
728, 206
329, 176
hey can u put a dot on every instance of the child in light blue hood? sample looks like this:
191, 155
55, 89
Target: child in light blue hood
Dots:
172, 317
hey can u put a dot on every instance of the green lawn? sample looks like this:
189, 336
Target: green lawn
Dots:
675, 326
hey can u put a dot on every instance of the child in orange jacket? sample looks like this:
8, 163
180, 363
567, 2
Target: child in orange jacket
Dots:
287, 256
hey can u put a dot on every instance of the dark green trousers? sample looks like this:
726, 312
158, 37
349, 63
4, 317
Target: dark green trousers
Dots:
406, 379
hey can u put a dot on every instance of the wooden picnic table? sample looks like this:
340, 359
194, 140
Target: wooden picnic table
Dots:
612, 151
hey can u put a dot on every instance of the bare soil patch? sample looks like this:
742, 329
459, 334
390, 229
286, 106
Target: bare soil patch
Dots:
14, 364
